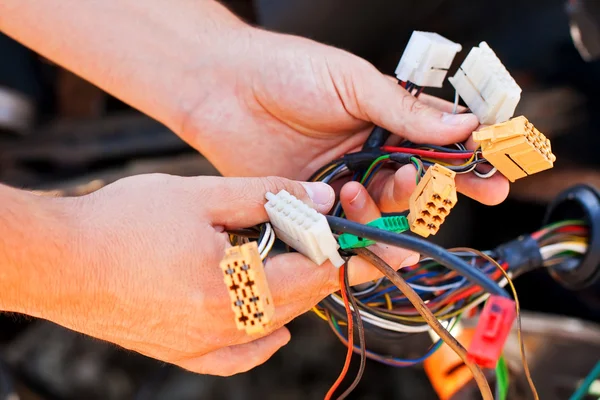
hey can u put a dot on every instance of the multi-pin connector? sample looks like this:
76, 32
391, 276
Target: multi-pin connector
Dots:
432, 200
426, 59
396, 224
302, 228
515, 148
486, 86
249, 292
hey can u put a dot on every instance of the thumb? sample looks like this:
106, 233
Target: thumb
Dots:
239, 202
385, 103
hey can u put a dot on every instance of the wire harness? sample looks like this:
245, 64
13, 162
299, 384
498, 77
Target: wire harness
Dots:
426, 59
302, 228
486, 86
248, 289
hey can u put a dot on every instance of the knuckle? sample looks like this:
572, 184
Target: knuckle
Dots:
275, 184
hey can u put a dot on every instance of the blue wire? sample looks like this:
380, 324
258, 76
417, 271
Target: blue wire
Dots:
393, 361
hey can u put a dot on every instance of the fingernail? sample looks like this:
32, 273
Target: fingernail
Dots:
358, 201
411, 260
321, 194
459, 119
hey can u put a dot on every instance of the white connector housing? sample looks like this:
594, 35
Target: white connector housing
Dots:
302, 228
426, 59
486, 86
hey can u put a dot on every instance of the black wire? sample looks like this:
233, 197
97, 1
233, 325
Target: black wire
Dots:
439, 254
361, 336
249, 233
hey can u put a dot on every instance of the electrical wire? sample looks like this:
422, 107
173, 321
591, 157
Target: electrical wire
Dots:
420, 246
583, 389
342, 375
361, 337
428, 153
437, 327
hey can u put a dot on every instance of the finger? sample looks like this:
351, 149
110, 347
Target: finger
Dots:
357, 203
440, 104
238, 358
293, 277
491, 191
239, 202
387, 104
360, 207
392, 191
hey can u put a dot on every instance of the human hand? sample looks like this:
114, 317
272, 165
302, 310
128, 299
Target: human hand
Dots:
147, 273
286, 105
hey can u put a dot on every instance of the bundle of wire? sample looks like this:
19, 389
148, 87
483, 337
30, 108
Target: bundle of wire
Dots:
263, 233
385, 309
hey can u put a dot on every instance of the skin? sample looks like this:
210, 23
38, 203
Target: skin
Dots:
255, 103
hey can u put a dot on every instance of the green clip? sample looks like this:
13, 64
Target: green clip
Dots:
397, 224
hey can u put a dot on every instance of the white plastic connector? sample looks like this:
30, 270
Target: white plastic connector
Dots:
426, 59
486, 86
302, 228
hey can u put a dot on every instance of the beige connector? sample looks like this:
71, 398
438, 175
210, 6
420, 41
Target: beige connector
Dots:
249, 292
515, 148
432, 200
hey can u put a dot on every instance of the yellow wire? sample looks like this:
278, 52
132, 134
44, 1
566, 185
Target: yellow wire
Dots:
388, 301
319, 313
445, 164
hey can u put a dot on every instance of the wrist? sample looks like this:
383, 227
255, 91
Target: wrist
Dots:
42, 271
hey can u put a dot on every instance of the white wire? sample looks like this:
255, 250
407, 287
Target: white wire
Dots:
553, 249
269, 245
369, 289
389, 325
487, 174
438, 288
265, 238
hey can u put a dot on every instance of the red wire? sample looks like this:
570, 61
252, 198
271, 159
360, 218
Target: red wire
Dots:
429, 153
340, 378
571, 229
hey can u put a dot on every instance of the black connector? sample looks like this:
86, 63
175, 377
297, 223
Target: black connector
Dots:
362, 159
521, 254
578, 202
377, 138
401, 158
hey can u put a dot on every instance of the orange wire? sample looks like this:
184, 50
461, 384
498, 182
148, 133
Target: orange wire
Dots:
340, 378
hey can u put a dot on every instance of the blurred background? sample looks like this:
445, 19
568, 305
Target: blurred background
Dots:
58, 132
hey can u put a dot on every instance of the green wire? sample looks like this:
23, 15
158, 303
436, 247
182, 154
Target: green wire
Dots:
583, 389
418, 166
563, 223
370, 169
502, 379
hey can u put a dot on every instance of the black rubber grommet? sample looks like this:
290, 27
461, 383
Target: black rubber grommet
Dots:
578, 202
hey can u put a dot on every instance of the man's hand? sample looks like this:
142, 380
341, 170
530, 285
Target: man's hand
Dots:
291, 105
139, 267
253, 102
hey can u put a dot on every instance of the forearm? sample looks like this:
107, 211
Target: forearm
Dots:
37, 252
147, 53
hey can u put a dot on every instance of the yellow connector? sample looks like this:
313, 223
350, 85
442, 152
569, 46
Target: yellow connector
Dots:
249, 292
515, 148
432, 200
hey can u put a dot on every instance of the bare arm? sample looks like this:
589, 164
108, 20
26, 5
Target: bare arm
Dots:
144, 52
37, 251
